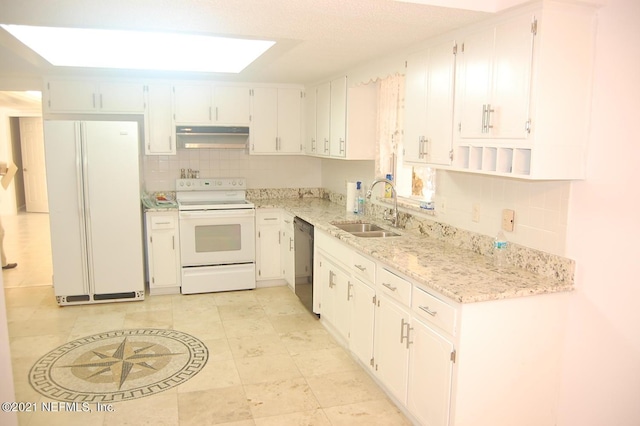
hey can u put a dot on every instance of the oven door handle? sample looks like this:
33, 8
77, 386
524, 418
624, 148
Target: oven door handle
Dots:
202, 214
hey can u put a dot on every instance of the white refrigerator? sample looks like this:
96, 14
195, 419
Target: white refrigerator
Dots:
94, 211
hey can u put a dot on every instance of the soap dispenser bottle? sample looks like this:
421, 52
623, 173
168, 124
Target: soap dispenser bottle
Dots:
359, 198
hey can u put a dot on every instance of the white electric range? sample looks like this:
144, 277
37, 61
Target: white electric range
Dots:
217, 235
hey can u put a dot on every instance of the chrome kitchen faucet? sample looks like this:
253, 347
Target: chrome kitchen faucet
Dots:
394, 219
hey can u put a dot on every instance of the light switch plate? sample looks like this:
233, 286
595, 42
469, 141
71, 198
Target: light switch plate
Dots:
508, 217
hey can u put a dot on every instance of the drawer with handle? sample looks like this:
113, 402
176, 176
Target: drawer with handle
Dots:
162, 222
270, 218
394, 285
434, 310
363, 267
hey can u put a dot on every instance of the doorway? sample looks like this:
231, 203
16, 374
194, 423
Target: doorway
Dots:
27, 238
27, 141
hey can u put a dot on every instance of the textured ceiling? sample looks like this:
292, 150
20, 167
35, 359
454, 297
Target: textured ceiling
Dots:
316, 38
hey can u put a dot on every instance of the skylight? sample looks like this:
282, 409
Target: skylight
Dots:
96, 48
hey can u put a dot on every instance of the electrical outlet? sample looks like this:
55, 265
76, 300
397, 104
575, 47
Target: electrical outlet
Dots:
508, 217
475, 212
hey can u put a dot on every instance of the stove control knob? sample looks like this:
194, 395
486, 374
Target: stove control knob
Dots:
218, 182
233, 183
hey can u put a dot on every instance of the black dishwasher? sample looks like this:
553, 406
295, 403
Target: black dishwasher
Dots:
303, 235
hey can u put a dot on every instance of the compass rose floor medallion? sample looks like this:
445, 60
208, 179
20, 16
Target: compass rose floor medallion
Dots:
118, 365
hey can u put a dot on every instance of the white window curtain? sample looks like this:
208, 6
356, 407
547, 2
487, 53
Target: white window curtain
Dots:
390, 115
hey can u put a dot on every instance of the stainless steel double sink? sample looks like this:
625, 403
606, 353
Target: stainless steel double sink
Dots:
365, 230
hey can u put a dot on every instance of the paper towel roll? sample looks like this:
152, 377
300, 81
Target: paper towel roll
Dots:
351, 196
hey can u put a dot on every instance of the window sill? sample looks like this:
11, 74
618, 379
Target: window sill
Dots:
410, 204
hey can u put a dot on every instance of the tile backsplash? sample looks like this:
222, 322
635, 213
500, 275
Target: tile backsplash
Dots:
261, 171
541, 208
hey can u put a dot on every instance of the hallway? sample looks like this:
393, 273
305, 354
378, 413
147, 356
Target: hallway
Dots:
27, 242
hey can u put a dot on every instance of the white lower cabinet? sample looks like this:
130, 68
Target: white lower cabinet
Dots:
335, 306
287, 250
362, 299
493, 363
268, 242
392, 347
163, 252
430, 375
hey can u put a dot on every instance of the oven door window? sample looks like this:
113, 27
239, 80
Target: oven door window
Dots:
215, 238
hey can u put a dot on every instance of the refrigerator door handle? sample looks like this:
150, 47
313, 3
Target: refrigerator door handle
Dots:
83, 207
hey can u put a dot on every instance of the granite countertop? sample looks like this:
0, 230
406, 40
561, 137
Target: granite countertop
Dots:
152, 204
459, 274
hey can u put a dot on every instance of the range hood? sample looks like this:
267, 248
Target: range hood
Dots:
216, 137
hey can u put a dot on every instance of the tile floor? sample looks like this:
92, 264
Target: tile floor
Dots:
270, 362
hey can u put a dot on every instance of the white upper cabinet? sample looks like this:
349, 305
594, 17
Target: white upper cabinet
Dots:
494, 80
276, 120
344, 121
91, 96
232, 105
323, 118
428, 132
310, 141
159, 125
192, 104
206, 104
338, 118
522, 96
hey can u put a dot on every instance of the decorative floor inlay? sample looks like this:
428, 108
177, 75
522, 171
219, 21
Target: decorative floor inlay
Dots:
118, 365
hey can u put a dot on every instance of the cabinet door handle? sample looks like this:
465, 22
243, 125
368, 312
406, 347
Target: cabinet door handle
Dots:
342, 146
290, 244
427, 310
173, 242
313, 145
331, 275
390, 287
349, 286
484, 118
362, 268
270, 218
489, 111
402, 336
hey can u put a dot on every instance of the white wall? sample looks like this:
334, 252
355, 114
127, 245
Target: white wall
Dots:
601, 380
